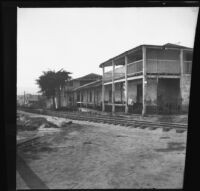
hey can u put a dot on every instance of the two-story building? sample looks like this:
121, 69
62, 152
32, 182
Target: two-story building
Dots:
145, 79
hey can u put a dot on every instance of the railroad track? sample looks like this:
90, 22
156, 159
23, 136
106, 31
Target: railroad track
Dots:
114, 119
27, 143
34, 141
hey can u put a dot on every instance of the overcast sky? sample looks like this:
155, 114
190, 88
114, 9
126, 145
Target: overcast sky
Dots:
79, 39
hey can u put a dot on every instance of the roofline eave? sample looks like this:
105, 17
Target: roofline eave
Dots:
106, 63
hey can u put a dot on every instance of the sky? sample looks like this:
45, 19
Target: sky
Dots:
79, 39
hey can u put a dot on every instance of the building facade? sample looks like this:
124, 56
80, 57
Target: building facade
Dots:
145, 79
68, 95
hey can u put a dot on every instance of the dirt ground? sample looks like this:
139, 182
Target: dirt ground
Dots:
94, 155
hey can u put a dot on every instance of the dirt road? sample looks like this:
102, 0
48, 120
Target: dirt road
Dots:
92, 155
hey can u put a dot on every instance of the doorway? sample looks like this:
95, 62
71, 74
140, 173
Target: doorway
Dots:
139, 93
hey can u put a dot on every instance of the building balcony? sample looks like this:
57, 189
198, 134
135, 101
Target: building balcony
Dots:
153, 66
163, 66
133, 69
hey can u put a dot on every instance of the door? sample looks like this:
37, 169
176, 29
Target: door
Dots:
139, 93
110, 96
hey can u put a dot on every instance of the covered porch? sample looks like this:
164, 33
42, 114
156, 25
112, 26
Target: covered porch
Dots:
143, 63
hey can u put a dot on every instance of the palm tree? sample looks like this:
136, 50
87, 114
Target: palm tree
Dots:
62, 77
52, 83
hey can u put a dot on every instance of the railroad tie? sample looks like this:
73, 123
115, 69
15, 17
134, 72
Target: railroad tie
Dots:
122, 124
165, 129
152, 128
180, 130
104, 122
109, 122
115, 123
127, 125
143, 127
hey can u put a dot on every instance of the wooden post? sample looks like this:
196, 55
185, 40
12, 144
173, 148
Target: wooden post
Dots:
97, 97
74, 98
103, 90
126, 86
113, 86
181, 75
86, 98
24, 98
144, 81
80, 98
181, 61
94, 100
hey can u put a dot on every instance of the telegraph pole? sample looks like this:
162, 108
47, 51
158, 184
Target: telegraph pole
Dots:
24, 98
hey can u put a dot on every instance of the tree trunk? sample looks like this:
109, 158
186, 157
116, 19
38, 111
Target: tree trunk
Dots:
59, 98
54, 104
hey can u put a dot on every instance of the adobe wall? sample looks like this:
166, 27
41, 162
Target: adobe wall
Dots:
132, 89
64, 101
169, 92
185, 91
84, 93
106, 93
49, 103
99, 95
119, 94
151, 92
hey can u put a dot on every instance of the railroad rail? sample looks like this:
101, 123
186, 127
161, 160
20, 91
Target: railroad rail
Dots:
113, 119
27, 142
34, 141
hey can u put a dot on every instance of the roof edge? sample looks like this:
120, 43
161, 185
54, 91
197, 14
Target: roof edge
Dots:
173, 46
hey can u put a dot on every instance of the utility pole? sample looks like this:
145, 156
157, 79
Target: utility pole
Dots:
24, 98
144, 81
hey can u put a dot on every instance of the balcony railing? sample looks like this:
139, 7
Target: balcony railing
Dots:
135, 67
132, 68
119, 73
154, 66
163, 66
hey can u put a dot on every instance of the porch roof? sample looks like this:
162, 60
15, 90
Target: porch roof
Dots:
89, 85
167, 45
